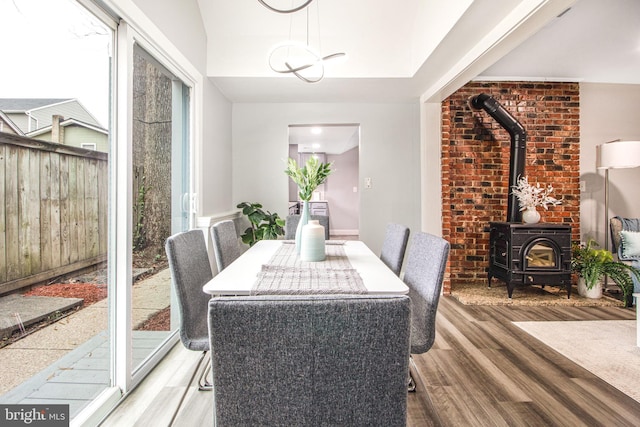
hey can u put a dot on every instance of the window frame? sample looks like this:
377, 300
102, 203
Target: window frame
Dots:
131, 27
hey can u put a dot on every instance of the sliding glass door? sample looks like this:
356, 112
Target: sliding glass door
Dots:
161, 196
95, 219
54, 201
153, 180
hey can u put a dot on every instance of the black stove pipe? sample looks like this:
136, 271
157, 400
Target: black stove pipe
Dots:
518, 146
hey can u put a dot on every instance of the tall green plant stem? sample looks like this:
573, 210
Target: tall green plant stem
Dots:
309, 177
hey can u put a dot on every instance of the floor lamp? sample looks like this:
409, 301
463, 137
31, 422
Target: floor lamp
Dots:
615, 155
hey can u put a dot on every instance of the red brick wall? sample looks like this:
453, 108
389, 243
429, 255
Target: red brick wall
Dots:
475, 165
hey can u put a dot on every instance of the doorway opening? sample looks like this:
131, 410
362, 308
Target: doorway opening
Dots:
339, 196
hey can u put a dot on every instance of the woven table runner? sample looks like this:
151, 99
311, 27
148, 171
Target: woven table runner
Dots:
286, 274
286, 256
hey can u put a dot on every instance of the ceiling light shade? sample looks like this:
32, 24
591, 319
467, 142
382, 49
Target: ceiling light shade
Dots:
618, 155
615, 155
291, 10
300, 60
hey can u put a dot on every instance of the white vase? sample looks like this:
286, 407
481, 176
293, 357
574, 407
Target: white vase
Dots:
530, 215
595, 292
312, 242
304, 219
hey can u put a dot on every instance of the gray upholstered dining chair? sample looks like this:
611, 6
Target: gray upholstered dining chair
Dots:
424, 273
394, 246
310, 360
190, 270
291, 224
226, 244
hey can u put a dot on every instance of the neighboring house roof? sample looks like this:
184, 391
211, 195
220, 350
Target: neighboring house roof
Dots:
27, 104
30, 114
10, 123
65, 123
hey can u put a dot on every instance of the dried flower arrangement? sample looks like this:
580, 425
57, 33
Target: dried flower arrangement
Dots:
530, 196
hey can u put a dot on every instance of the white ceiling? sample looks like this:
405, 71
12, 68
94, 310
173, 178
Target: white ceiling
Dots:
405, 50
383, 39
387, 44
594, 41
401, 50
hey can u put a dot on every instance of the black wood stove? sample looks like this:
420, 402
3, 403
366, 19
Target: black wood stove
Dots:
523, 254
530, 254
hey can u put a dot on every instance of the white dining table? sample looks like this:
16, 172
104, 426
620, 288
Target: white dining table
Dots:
240, 276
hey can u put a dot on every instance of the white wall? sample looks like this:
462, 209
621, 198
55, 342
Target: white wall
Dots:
215, 164
607, 112
389, 155
181, 22
344, 203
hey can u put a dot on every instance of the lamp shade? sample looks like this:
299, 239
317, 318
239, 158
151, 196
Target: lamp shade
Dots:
618, 155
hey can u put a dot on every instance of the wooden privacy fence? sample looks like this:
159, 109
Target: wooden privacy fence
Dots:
53, 210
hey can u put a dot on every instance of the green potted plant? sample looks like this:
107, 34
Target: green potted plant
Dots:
264, 225
308, 178
592, 265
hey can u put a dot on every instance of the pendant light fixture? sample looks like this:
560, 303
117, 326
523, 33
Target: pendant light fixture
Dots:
299, 59
293, 9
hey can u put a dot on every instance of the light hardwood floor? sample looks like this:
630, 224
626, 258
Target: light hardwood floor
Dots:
481, 371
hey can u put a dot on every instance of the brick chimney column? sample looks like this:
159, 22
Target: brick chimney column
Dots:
57, 132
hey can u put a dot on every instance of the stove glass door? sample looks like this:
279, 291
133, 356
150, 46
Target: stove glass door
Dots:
542, 254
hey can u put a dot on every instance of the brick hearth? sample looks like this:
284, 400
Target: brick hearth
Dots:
475, 165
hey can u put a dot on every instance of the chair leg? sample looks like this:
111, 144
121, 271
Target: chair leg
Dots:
204, 384
411, 383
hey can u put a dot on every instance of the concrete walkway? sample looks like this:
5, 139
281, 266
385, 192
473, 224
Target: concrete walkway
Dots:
30, 355
18, 310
